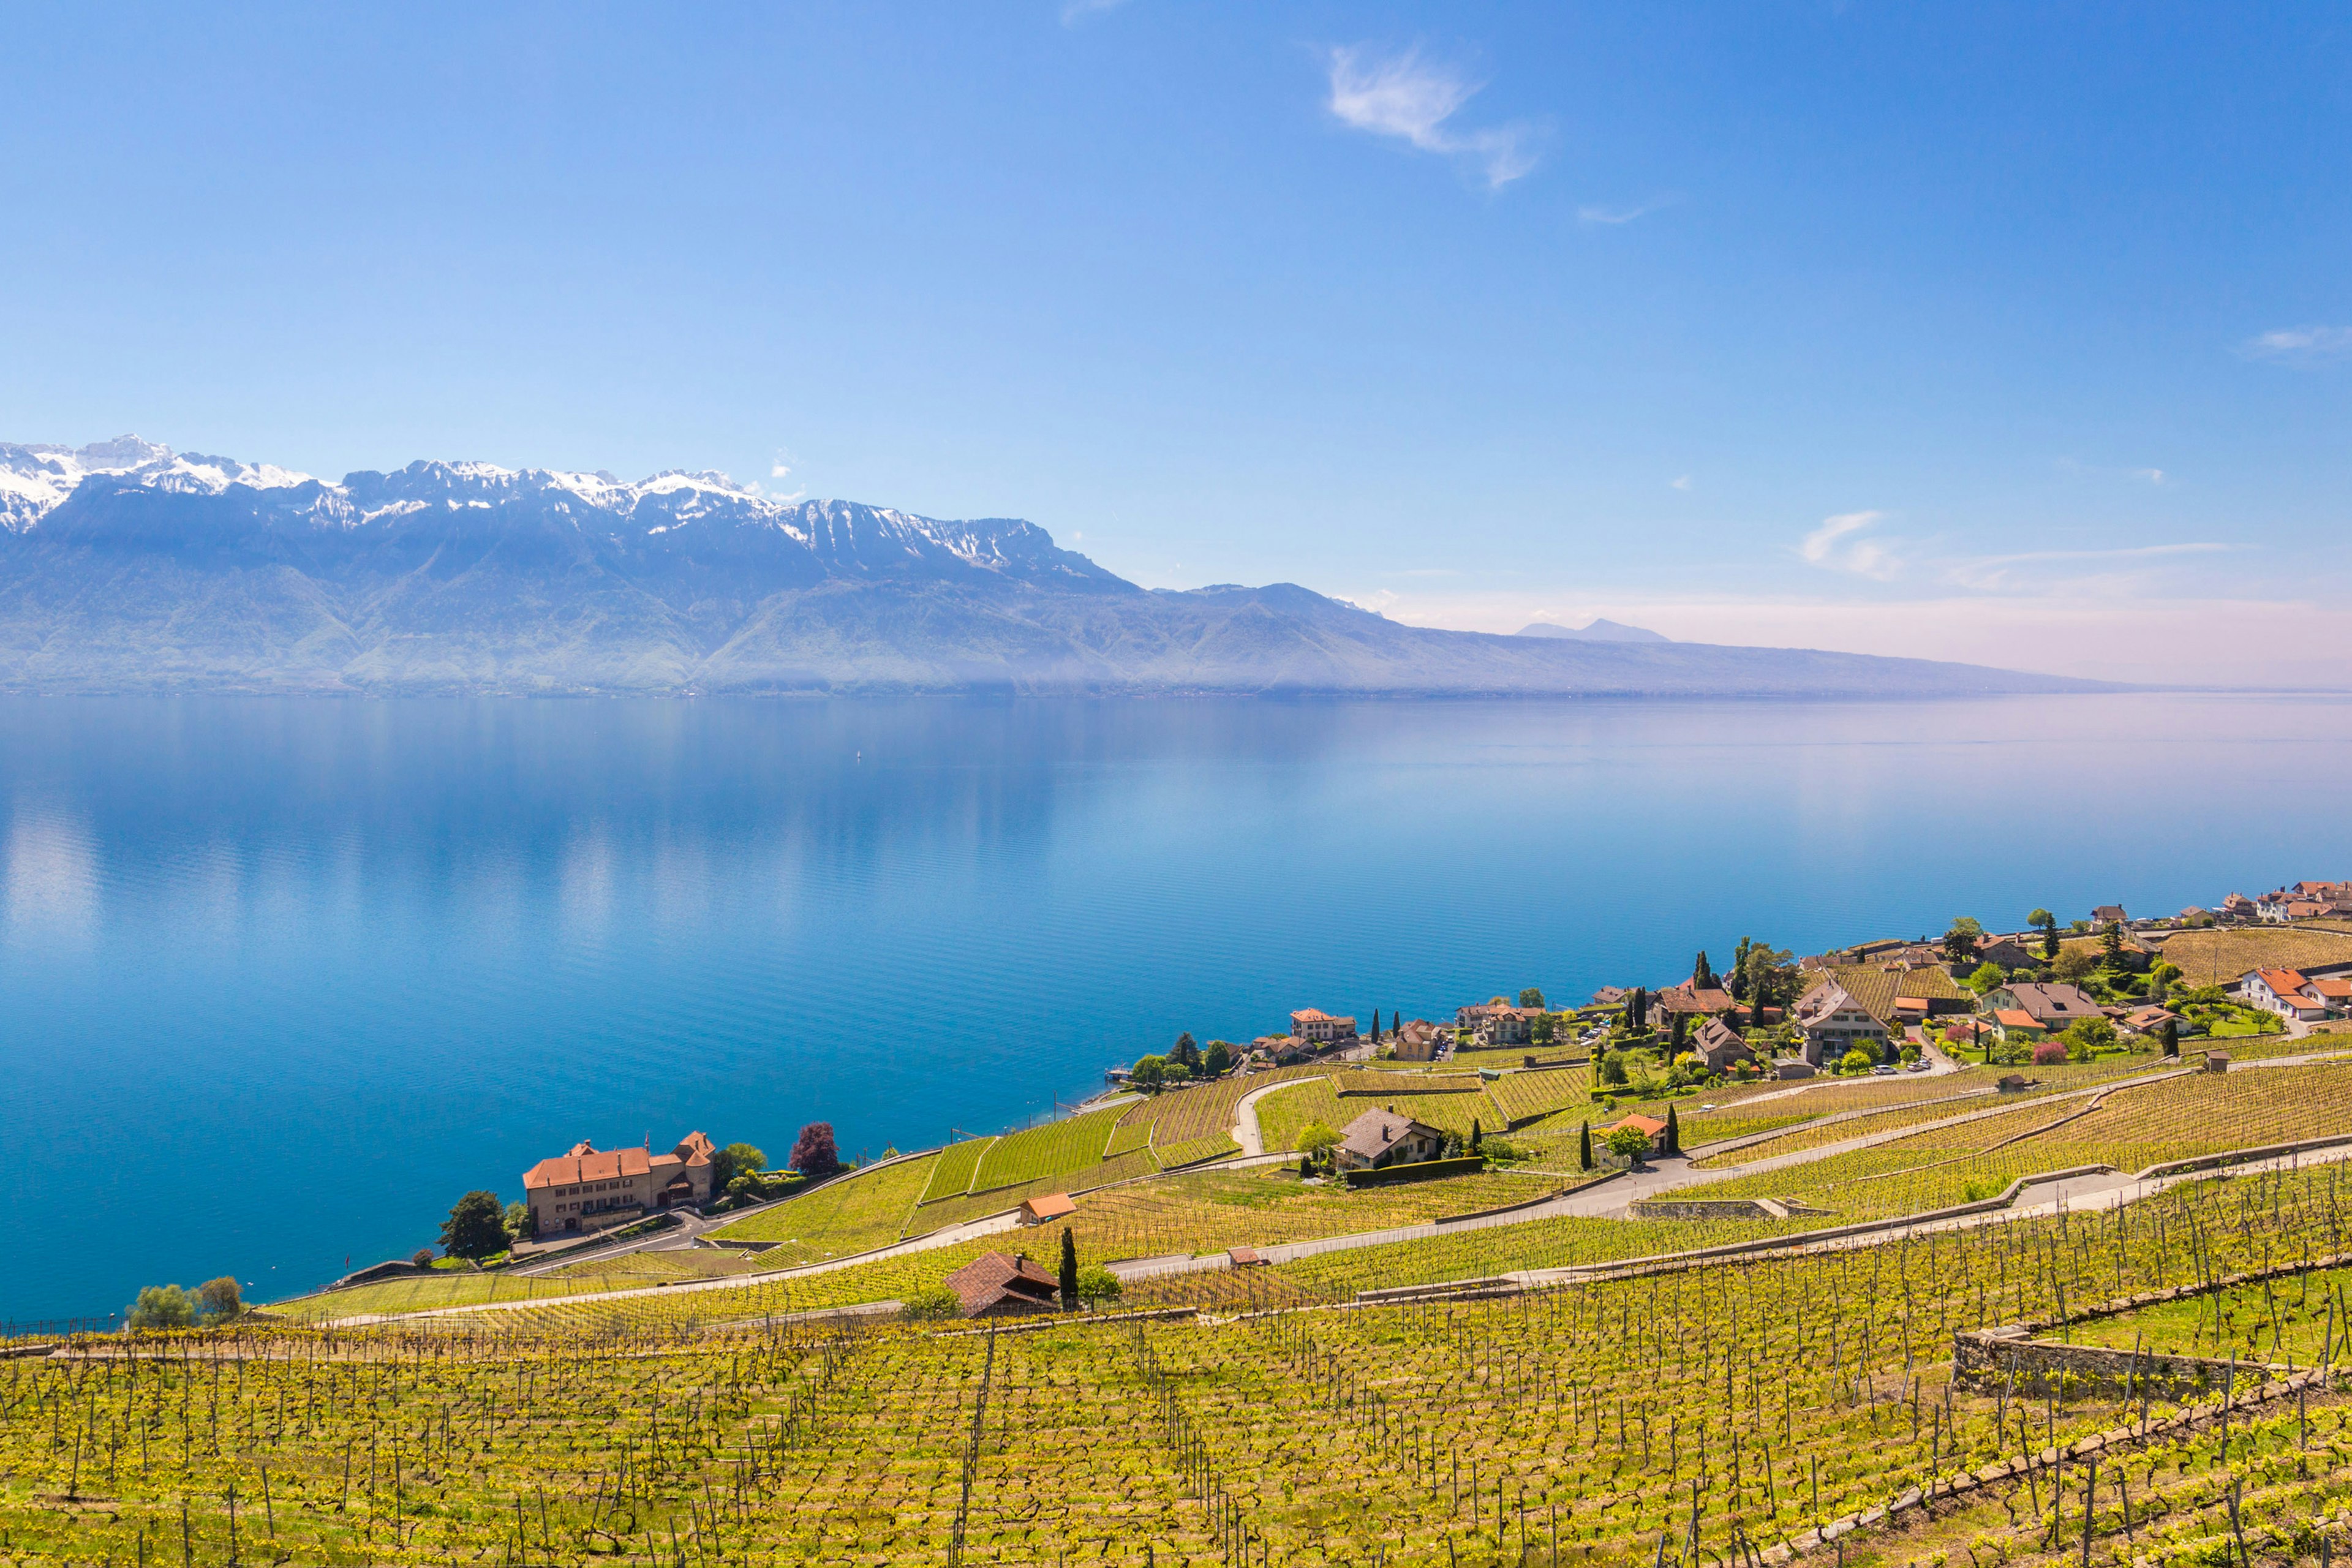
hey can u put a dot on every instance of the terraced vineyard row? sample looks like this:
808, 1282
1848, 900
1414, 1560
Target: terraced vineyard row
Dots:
1695, 1412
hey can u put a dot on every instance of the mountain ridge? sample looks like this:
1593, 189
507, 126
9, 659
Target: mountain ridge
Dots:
125, 567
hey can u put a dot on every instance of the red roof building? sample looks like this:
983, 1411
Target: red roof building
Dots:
995, 1286
587, 1188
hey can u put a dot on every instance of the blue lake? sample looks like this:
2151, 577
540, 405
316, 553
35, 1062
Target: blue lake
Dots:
278, 979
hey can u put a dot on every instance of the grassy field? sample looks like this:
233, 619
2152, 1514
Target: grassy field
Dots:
953, 1172
1054, 1150
2137, 1126
848, 1214
2219, 956
1713, 1403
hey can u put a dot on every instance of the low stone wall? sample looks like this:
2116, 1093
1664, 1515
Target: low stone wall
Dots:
1419, 1171
1707, 1208
1988, 1358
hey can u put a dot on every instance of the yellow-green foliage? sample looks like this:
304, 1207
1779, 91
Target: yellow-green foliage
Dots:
849, 1214
1284, 1115
1056, 1149
1520, 1095
953, 1172
690, 1425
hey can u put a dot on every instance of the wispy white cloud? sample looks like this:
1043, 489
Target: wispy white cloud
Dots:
1833, 545
1611, 216
1999, 572
1414, 101
1681, 483
2300, 344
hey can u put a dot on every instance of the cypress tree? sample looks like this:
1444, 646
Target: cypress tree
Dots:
2172, 1037
1069, 1271
1475, 1135
1702, 973
1680, 1029
1585, 1147
1674, 1136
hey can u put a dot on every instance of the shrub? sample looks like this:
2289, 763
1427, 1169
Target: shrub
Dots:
163, 1307
1500, 1148
735, 1160
1612, 1067
930, 1304
1317, 1140
421, 1258
2050, 1054
1857, 1060
1097, 1285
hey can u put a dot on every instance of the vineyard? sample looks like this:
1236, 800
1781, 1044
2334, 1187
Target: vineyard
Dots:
1695, 1413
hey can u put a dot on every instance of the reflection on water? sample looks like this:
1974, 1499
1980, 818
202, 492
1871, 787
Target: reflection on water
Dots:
297, 973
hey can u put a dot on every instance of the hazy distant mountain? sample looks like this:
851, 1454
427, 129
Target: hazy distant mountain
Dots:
125, 566
1597, 630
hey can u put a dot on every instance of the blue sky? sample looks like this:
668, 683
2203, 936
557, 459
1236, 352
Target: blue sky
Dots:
2018, 333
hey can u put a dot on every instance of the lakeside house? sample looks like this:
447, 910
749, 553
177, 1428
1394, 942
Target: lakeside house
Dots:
1038, 1210
2109, 915
1379, 1139
1718, 1045
2009, 951
587, 1188
2052, 1007
1419, 1041
2150, 1019
1498, 1023
2322, 991
1695, 1005
1318, 1028
995, 1286
2017, 1024
1834, 1023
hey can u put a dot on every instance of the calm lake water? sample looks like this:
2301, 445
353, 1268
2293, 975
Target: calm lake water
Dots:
278, 979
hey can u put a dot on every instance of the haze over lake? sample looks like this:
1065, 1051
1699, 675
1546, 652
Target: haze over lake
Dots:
281, 977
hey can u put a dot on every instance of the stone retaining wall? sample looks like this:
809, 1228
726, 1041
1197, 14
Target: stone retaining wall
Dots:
1988, 1358
1707, 1208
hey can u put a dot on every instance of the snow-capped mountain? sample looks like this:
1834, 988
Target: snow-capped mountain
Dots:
35, 480
124, 565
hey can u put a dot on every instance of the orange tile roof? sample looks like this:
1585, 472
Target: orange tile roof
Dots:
1650, 1126
586, 1164
2016, 1019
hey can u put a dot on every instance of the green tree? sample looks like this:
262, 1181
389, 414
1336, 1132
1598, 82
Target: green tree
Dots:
2046, 923
1770, 975
734, 1161
2074, 965
1612, 1068
1857, 1060
163, 1307
1678, 1031
1185, 1054
930, 1303
1987, 978
1532, 996
218, 1301
1069, 1270
1316, 1141
1097, 1286
2086, 1035
1637, 1009
1740, 971
2110, 941
1477, 1136
1702, 973
1218, 1060
1545, 1030
476, 1226
1148, 1072
1960, 939
1629, 1142
1585, 1147
518, 1221
1673, 1133
2172, 1037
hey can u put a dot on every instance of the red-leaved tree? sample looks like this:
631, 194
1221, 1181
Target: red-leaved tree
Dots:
812, 1151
